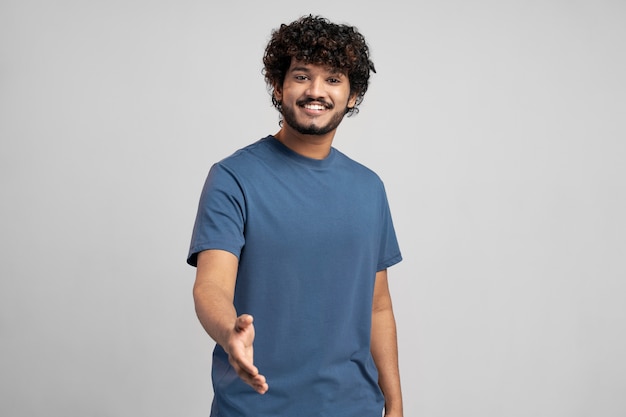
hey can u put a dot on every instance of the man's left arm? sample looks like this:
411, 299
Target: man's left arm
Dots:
384, 346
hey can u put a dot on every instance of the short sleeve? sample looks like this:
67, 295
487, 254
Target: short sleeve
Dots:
221, 215
389, 254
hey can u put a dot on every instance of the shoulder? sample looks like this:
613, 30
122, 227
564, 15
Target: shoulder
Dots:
358, 170
247, 160
245, 155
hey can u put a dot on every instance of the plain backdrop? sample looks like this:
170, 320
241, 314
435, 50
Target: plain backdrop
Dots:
498, 128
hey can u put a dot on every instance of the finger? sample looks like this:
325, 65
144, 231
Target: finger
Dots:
249, 369
243, 322
260, 384
254, 378
243, 367
262, 389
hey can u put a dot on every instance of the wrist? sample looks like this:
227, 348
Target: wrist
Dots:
393, 409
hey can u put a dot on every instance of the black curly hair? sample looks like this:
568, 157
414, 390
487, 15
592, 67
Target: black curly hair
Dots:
315, 40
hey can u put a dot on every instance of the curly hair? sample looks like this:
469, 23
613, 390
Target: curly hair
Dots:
315, 40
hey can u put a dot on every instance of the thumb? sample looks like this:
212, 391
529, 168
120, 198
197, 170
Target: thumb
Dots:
243, 322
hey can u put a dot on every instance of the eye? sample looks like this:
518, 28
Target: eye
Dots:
334, 80
300, 77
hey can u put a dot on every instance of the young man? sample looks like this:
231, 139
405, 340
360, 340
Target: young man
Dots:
296, 235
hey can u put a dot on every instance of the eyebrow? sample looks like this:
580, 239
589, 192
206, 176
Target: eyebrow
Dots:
333, 71
303, 69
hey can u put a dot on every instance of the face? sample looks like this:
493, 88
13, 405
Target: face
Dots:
314, 98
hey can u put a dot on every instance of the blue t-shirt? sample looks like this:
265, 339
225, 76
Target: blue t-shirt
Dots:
310, 236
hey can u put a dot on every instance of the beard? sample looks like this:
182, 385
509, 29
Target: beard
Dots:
289, 116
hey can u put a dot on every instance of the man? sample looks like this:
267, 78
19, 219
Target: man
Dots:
297, 237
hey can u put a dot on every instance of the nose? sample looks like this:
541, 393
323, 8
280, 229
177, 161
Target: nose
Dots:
316, 87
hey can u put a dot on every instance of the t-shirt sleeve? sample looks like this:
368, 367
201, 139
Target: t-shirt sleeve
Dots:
221, 215
389, 254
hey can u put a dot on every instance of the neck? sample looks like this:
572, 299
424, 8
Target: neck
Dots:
311, 146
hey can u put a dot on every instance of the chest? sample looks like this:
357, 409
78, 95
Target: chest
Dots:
312, 212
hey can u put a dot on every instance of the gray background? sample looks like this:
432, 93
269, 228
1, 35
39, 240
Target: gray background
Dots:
497, 126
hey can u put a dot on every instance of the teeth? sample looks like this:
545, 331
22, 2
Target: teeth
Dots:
314, 106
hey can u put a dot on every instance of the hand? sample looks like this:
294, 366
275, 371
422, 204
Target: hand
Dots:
241, 354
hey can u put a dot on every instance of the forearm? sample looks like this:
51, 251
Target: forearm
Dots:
215, 311
384, 348
213, 294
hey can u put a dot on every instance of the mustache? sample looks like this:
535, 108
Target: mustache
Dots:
308, 100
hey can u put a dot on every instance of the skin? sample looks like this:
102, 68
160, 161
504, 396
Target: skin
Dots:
384, 346
316, 86
314, 101
213, 294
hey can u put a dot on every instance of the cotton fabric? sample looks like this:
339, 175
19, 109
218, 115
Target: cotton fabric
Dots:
310, 236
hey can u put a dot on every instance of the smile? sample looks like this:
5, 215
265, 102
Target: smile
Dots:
314, 106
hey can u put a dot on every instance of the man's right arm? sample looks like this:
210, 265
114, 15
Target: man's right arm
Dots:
213, 294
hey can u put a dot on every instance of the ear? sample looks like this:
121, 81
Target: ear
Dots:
352, 100
278, 92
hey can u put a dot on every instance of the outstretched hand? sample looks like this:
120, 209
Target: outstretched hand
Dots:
241, 354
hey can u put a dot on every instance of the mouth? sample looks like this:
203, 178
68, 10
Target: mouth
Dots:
315, 105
